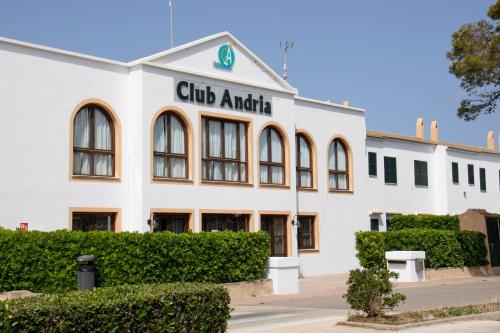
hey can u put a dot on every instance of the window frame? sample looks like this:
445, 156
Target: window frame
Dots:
314, 233
455, 173
225, 222
269, 162
388, 173
336, 172
205, 118
372, 164
92, 151
169, 155
299, 168
372, 222
284, 236
421, 178
185, 215
96, 211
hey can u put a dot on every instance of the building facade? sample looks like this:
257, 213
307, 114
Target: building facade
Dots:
206, 137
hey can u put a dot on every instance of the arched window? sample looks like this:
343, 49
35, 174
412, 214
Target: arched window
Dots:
338, 168
272, 157
93, 142
170, 147
304, 161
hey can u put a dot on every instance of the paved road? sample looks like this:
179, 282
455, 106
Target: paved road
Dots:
320, 306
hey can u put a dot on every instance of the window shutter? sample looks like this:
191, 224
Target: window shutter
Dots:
372, 164
390, 170
482, 179
454, 172
470, 172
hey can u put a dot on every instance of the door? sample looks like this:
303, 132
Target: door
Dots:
493, 229
275, 226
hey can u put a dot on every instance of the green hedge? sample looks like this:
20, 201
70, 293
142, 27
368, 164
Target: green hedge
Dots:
443, 248
46, 261
439, 222
127, 308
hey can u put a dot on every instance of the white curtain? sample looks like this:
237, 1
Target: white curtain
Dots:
305, 179
304, 158
81, 163
214, 170
264, 171
276, 147
178, 167
231, 171
203, 138
341, 157
332, 181
160, 135
263, 145
103, 165
178, 141
214, 138
243, 142
342, 181
81, 129
230, 139
276, 175
102, 131
243, 172
331, 157
159, 166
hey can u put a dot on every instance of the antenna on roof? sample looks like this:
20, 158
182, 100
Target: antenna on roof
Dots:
286, 44
171, 24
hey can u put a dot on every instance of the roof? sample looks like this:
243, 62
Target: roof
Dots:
449, 145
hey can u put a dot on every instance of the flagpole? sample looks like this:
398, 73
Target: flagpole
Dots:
171, 24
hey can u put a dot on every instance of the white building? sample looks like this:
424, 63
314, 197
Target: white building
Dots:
206, 137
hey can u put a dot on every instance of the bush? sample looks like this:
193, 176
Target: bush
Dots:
473, 248
442, 248
370, 291
439, 222
46, 261
140, 308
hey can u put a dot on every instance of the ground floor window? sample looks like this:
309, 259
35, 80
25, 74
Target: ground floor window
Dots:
93, 221
275, 226
374, 224
176, 223
222, 222
306, 232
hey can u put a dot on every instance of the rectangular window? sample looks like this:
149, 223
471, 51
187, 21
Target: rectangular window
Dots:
390, 170
372, 164
387, 222
454, 172
224, 150
374, 224
420, 173
482, 179
176, 223
93, 221
275, 226
222, 222
305, 232
470, 173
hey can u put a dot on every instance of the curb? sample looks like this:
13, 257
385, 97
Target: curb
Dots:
384, 327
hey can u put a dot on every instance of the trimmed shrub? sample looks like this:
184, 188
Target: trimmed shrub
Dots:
46, 261
128, 308
473, 247
370, 246
439, 222
441, 247
371, 291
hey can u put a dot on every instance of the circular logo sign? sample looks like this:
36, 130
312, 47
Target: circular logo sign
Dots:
226, 56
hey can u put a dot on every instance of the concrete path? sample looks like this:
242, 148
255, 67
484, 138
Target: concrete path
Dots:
319, 306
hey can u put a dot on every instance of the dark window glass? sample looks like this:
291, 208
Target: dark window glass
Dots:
93, 221
306, 232
390, 170
170, 148
176, 223
454, 172
470, 173
224, 150
482, 179
372, 164
374, 224
420, 173
304, 162
93, 143
275, 226
222, 222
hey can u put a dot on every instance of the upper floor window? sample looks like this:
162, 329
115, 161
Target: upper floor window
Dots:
482, 179
93, 142
304, 162
224, 150
454, 172
470, 171
338, 174
372, 164
390, 170
272, 157
420, 168
170, 147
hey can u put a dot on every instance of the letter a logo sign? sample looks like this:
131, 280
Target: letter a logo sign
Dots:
226, 58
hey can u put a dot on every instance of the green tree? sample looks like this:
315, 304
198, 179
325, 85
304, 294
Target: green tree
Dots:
475, 60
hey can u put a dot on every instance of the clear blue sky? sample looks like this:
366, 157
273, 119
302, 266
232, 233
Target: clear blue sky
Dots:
385, 56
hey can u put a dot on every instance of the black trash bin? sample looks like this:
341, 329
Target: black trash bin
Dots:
85, 274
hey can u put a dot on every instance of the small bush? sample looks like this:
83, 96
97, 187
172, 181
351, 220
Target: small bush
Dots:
473, 248
371, 291
46, 261
140, 308
438, 222
370, 246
